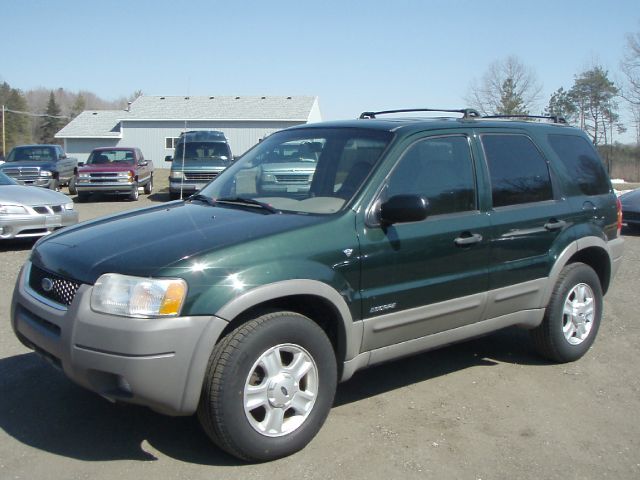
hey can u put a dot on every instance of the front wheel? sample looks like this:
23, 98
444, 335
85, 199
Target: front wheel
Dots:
54, 185
133, 196
572, 317
72, 185
269, 387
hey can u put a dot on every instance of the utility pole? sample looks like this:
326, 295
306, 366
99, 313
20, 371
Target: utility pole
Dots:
4, 143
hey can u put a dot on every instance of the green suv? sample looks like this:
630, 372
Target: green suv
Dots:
247, 306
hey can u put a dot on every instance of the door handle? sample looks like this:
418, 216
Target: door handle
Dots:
555, 225
468, 239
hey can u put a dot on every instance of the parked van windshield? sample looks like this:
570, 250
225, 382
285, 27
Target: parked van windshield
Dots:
203, 151
307, 170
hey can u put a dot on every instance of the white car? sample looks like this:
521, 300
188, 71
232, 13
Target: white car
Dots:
32, 212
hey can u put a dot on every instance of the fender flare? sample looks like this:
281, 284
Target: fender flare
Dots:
352, 330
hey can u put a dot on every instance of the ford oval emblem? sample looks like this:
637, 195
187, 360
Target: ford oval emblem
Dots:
47, 284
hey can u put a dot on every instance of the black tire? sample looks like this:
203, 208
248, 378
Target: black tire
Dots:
135, 194
549, 338
72, 185
54, 185
148, 187
233, 365
83, 197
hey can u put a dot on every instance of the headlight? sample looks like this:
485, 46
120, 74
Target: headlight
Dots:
45, 173
268, 177
12, 210
176, 175
138, 297
68, 206
84, 176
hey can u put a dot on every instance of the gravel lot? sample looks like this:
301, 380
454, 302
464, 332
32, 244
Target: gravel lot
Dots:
485, 409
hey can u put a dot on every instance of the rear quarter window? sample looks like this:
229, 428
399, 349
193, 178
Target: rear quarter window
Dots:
581, 163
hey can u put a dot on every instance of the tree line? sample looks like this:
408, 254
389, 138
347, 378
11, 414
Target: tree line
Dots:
35, 116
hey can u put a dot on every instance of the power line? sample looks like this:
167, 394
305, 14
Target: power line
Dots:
36, 114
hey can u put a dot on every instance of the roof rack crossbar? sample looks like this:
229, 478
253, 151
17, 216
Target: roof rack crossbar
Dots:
553, 118
466, 112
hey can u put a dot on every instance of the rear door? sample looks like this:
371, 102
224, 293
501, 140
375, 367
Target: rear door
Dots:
409, 268
528, 215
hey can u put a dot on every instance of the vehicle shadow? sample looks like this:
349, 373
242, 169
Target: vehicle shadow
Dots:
44, 410
511, 345
17, 244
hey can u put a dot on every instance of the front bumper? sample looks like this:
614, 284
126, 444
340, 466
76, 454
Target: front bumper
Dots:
111, 187
159, 363
45, 182
36, 225
190, 187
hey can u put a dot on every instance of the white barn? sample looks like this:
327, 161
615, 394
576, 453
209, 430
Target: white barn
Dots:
153, 123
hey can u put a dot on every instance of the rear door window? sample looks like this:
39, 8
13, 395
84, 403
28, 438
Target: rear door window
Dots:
519, 173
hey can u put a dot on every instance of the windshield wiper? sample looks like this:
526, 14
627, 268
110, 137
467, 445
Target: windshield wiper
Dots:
202, 198
249, 202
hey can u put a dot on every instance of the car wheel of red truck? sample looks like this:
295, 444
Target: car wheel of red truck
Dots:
148, 188
133, 196
269, 387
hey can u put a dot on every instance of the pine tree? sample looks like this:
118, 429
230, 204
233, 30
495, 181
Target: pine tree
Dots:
511, 102
79, 106
52, 122
17, 125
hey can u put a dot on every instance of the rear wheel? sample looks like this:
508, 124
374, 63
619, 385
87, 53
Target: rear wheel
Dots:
269, 387
148, 188
572, 318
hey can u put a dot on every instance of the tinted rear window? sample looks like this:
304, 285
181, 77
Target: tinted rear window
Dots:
519, 172
581, 162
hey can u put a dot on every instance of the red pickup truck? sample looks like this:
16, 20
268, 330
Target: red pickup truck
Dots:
114, 171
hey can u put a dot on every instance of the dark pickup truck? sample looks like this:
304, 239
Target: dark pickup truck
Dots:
41, 165
115, 171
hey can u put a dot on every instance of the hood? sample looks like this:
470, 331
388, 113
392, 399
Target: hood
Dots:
32, 196
142, 242
631, 198
44, 165
110, 167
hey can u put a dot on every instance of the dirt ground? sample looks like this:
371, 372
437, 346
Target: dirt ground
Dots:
485, 409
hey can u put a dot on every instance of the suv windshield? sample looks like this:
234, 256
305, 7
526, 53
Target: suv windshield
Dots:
111, 156
203, 151
307, 170
21, 154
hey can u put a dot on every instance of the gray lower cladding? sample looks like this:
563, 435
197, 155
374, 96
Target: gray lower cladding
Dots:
159, 363
399, 334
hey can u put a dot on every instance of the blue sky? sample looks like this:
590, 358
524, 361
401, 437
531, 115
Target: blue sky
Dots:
354, 55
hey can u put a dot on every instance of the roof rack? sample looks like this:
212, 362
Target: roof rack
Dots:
466, 112
553, 118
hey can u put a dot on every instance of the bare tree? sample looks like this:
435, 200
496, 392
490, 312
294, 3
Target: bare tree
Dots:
508, 87
631, 69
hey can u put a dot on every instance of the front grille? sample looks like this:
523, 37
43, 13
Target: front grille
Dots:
22, 173
53, 287
200, 176
110, 175
292, 178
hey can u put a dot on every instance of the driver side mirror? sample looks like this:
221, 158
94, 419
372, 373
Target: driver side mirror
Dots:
404, 209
